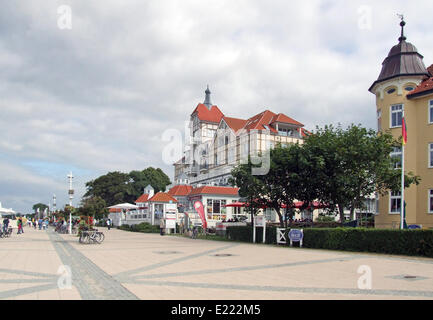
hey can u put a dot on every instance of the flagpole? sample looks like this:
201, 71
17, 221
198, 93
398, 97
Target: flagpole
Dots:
402, 174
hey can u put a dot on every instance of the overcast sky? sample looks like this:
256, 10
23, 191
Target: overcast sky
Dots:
97, 97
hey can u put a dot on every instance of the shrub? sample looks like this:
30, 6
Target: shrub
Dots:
141, 227
325, 219
402, 242
245, 234
147, 228
124, 227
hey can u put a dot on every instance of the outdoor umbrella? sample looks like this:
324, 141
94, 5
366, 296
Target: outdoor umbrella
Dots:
299, 204
235, 204
124, 206
6, 211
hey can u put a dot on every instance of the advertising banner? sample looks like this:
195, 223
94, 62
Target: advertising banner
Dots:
200, 210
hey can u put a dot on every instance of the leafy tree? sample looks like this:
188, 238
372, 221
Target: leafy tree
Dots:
93, 206
250, 187
354, 163
116, 187
113, 187
337, 167
155, 177
40, 206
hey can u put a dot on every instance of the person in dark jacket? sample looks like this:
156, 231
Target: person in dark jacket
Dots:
5, 224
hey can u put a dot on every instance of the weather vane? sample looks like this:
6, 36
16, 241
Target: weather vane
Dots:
402, 24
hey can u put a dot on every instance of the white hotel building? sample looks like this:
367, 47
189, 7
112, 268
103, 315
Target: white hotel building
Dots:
218, 143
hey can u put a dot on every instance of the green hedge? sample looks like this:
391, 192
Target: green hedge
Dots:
245, 234
141, 227
402, 242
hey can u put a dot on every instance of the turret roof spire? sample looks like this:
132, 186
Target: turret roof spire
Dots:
403, 60
207, 102
402, 24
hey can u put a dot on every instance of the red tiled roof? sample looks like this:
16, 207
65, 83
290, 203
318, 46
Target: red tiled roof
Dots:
430, 70
114, 210
285, 119
229, 191
143, 198
180, 190
204, 114
259, 120
162, 197
234, 123
425, 87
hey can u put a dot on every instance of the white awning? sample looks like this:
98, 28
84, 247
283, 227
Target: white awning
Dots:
124, 206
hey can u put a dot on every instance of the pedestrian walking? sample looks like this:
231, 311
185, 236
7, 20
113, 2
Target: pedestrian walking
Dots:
20, 226
109, 224
162, 226
5, 224
40, 224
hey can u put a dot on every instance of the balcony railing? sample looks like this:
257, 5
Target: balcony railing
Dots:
292, 134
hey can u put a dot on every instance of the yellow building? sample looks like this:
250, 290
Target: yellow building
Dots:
406, 85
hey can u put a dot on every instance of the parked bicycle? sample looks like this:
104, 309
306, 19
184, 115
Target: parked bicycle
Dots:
91, 236
5, 234
64, 229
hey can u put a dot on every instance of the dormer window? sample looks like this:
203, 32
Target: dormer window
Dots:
409, 88
392, 90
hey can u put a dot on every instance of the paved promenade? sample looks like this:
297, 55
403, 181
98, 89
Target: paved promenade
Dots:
38, 264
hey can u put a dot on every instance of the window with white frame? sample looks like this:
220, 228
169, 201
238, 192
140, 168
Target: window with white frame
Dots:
395, 202
396, 153
430, 155
396, 115
430, 201
430, 111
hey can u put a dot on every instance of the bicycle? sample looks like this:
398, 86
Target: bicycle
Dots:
91, 236
5, 234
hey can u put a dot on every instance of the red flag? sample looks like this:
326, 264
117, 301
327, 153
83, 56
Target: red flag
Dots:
404, 131
199, 208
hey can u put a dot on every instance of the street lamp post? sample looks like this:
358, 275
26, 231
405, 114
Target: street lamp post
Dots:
54, 204
71, 196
